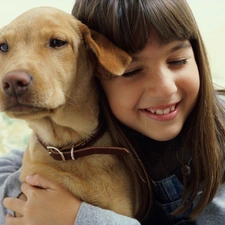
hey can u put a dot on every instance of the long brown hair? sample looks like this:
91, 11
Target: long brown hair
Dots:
129, 24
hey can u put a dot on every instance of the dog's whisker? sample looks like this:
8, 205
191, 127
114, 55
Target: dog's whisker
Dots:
72, 101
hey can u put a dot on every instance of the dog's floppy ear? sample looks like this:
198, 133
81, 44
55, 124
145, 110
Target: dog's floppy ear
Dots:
110, 58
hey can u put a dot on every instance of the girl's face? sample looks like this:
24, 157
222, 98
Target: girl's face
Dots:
158, 90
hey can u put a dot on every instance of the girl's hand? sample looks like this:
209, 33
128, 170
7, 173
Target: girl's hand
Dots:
46, 203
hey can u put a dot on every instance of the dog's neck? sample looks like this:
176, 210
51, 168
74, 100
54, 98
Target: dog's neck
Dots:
100, 130
64, 128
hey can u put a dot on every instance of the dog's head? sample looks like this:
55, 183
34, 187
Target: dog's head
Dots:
43, 59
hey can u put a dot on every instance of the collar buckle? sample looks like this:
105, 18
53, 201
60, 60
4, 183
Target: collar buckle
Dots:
51, 150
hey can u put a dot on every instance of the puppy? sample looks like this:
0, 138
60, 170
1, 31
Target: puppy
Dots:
48, 61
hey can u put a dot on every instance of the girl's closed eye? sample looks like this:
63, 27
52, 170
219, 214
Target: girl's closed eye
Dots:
132, 73
177, 62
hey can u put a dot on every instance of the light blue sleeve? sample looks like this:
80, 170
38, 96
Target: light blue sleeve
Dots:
92, 215
214, 213
10, 184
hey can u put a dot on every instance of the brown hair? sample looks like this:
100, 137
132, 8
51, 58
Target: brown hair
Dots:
129, 24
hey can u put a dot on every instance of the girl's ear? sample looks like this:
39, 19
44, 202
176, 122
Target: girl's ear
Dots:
112, 60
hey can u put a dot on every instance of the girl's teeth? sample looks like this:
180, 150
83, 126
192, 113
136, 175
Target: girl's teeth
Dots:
172, 108
163, 112
159, 112
166, 111
152, 111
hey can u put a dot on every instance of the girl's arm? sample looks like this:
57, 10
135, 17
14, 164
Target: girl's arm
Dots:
10, 164
54, 205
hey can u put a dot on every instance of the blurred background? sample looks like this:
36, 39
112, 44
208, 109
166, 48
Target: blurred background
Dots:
210, 16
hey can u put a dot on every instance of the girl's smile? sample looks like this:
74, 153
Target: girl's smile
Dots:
158, 90
162, 113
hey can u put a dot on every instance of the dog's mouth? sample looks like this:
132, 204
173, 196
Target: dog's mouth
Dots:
23, 110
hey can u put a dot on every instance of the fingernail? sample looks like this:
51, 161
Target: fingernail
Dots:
29, 177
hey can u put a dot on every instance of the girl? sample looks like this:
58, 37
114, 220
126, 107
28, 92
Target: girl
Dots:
164, 106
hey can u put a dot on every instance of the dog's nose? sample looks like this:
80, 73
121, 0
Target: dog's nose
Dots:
15, 83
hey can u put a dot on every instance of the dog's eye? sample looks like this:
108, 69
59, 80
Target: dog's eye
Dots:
4, 47
56, 43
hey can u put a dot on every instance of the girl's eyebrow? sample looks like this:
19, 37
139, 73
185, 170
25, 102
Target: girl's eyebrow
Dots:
177, 47
180, 46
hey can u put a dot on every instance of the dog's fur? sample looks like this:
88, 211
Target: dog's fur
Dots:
52, 87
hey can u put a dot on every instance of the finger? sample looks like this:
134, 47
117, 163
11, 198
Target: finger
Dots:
14, 204
40, 181
28, 190
32, 192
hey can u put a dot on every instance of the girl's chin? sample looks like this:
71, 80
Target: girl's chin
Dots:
165, 136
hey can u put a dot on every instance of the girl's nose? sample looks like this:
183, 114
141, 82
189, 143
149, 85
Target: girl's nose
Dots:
161, 84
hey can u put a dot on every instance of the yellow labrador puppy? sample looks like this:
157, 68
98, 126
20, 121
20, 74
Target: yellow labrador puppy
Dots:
48, 59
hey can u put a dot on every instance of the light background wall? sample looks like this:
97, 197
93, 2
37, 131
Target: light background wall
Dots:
210, 15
